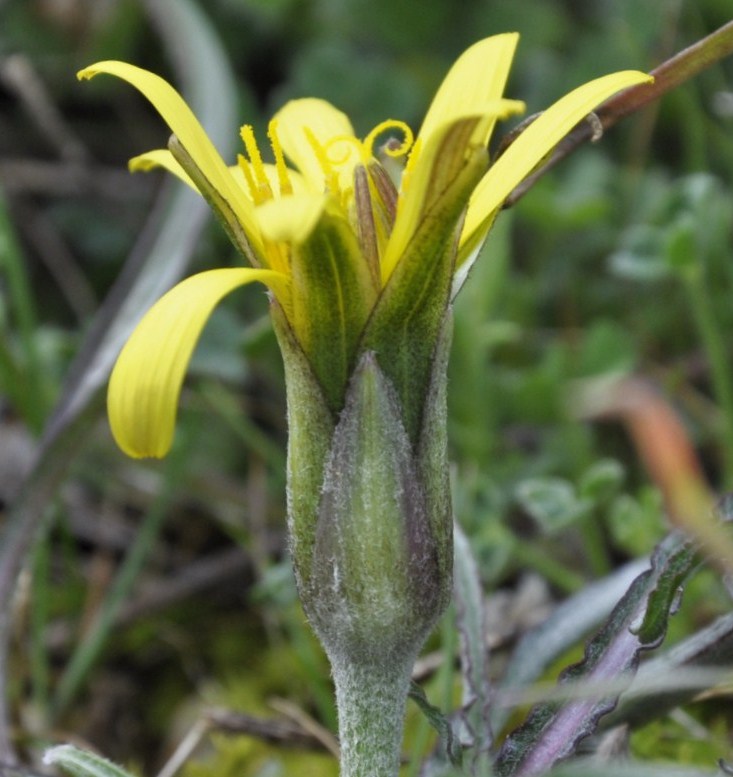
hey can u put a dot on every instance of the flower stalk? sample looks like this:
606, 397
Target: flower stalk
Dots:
371, 700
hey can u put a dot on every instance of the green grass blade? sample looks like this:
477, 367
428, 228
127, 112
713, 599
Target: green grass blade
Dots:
159, 259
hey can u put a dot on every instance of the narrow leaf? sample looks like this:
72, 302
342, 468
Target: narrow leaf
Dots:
590, 768
569, 623
82, 763
638, 623
157, 262
676, 676
474, 655
439, 722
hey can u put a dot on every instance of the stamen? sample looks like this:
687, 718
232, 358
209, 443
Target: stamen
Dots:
332, 181
263, 185
389, 149
283, 179
246, 169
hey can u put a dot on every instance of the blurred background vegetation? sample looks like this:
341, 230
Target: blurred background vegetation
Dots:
156, 590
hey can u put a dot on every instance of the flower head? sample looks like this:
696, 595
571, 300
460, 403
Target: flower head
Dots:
361, 270
355, 262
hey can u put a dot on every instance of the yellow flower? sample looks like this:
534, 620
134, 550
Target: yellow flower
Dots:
354, 261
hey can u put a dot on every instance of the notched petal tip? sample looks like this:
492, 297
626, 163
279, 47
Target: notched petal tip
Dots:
179, 117
87, 72
478, 76
159, 158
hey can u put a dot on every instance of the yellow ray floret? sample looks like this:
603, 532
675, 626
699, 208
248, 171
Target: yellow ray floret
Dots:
306, 128
310, 226
146, 380
448, 146
192, 136
160, 157
532, 145
476, 79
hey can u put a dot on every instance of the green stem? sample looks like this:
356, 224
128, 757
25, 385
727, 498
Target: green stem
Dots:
30, 401
716, 351
594, 544
371, 699
559, 575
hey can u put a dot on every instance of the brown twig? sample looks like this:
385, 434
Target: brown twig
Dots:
301, 718
200, 575
669, 456
18, 74
64, 179
670, 74
278, 731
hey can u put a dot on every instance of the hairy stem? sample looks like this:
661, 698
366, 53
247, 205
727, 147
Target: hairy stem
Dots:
371, 700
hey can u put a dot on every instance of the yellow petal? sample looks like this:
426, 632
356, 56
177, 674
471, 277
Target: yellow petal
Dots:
299, 118
426, 180
146, 380
160, 157
179, 117
291, 219
476, 78
434, 164
533, 144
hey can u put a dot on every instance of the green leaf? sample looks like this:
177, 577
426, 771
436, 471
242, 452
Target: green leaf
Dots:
82, 763
552, 732
22, 380
569, 623
678, 675
552, 502
601, 480
591, 768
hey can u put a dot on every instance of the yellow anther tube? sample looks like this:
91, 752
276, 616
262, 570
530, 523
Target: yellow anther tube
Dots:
262, 191
283, 179
330, 175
